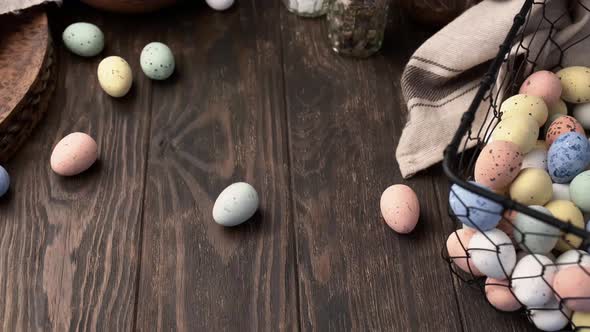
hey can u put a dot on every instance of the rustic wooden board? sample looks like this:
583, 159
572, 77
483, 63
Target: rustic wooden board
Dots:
69, 247
220, 119
345, 116
27, 68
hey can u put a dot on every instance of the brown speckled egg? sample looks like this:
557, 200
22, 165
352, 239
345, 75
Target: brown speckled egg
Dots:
457, 242
400, 208
544, 84
562, 125
498, 164
499, 295
572, 284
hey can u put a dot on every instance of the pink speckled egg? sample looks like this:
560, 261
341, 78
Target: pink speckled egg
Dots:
400, 208
498, 164
499, 295
562, 125
74, 154
572, 284
457, 242
544, 84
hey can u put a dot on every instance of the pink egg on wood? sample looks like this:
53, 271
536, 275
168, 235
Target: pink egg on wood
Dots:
400, 208
563, 125
544, 84
500, 296
498, 164
572, 284
73, 154
457, 242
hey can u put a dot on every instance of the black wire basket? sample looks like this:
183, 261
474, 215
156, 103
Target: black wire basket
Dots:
515, 61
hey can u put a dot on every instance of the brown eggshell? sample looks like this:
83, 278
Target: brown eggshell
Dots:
499, 295
400, 208
457, 241
498, 164
73, 154
562, 125
572, 284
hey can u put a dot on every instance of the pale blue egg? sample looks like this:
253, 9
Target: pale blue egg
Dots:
568, 156
4, 181
157, 61
84, 39
474, 210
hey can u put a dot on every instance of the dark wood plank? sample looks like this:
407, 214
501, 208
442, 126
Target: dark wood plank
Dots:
345, 116
219, 120
70, 245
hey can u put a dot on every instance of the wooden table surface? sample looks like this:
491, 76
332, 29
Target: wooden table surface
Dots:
258, 96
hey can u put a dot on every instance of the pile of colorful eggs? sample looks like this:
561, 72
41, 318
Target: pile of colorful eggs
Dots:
530, 264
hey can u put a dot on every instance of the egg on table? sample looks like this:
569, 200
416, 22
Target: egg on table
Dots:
157, 61
575, 82
84, 39
532, 278
550, 317
519, 129
532, 106
4, 181
533, 235
474, 210
544, 84
493, 253
563, 125
74, 154
400, 208
561, 192
498, 164
567, 212
568, 156
115, 76
572, 285
235, 204
582, 114
499, 295
580, 191
532, 187
457, 243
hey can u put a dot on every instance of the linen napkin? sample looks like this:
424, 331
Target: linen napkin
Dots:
8, 6
442, 76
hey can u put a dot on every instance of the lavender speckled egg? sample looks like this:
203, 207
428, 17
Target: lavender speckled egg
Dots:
562, 125
498, 164
474, 210
544, 84
568, 156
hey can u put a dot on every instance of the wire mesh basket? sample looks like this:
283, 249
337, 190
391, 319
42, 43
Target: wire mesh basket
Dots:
529, 46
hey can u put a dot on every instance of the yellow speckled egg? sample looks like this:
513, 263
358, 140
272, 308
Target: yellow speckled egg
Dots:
575, 82
581, 321
557, 109
532, 186
528, 105
115, 76
568, 212
519, 129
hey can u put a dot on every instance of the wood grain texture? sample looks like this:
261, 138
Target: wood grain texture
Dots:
219, 120
345, 116
69, 246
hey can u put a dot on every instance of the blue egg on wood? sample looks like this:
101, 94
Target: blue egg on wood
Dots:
157, 61
474, 210
4, 181
568, 156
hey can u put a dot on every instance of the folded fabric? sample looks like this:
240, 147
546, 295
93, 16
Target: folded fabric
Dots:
8, 6
442, 77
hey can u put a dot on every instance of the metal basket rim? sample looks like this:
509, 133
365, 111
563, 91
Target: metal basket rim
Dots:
467, 119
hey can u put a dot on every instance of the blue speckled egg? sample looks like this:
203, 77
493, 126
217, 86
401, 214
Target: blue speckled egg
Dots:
4, 181
84, 39
473, 210
568, 156
157, 61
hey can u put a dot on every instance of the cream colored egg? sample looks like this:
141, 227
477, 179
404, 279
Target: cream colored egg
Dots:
532, 106
581, 321
575, 82
566, 211
532, 186
557, 109
519, 129
115, 76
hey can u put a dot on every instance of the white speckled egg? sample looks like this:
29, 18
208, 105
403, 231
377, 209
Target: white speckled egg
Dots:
532, 106
530, 284
115, 76
236, 204
571, 258
533, 235
536, 158
157, 61
519, 129
400, 208
83, 39
550, 317
575, 82
220, 4
580, 191
493, 253
561, 192
74, 154
582, 114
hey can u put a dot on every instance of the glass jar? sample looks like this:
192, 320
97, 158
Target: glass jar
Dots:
307, 8
356, 27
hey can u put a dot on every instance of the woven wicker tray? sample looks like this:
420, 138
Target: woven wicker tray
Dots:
27, 71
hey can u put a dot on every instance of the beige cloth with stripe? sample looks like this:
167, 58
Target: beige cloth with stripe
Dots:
442, 77
7, 6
